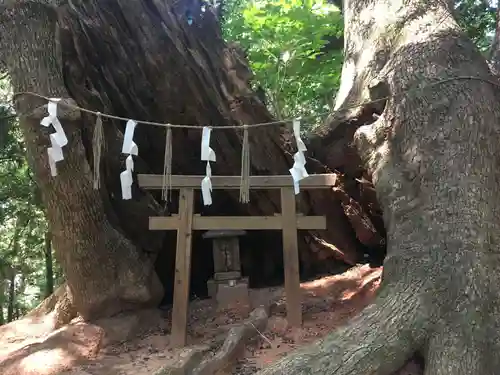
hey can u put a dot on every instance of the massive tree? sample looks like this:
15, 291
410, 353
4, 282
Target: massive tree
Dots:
416, 97
161, 61
433, 155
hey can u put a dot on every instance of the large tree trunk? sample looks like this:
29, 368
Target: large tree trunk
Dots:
434, 157
141, 59
105, 271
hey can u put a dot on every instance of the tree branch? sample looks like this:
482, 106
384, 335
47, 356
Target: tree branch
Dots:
9, 117
338, 3
495, 47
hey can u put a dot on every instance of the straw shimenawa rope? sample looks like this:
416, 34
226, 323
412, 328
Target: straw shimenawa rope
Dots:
97, 143
167, 167
98, 137
378, 100
245, 168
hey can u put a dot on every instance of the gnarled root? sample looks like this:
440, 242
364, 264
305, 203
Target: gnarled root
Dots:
378, 341
60, 303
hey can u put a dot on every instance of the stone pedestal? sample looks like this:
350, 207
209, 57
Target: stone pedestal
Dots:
227, 285
233, 294
221, 278
230, 294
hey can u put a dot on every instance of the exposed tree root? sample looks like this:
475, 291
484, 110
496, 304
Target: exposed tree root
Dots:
379, 341
235, 343
60, 304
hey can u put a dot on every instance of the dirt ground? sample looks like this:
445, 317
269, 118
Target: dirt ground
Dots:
139, 344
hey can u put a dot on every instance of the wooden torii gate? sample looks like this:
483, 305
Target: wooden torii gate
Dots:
186, 221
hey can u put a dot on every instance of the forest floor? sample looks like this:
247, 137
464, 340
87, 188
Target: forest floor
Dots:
138, 344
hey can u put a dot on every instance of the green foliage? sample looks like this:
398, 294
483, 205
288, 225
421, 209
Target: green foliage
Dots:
22, 219
477, 17
286, 43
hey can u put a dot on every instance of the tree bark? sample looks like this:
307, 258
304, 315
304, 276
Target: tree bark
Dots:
495, 46
105, 271
3, 292
49, 265
60, 303
11, 298
433, 156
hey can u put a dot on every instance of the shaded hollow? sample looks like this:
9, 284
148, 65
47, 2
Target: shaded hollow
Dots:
141, 60
261, 251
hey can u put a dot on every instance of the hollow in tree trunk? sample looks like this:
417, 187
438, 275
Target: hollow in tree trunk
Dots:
142, 60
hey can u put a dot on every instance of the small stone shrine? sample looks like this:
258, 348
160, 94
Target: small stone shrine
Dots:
227, 285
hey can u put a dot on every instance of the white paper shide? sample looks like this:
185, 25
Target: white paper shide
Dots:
58, 139
298, 171
129, 147
208, 155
